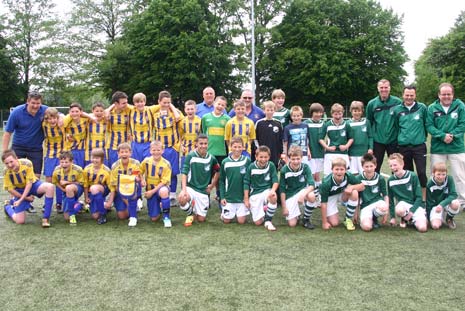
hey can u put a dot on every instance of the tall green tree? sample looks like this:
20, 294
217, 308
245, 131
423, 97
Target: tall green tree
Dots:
32, 31
443, 60
10, 89
335, 51
177, 45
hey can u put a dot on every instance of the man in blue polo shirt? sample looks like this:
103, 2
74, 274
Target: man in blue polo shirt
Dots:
252, 112
25, 122
207, 105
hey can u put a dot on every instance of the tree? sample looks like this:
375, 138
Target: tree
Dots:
32, 32
335, 51
175, 45
10, 89
443, 60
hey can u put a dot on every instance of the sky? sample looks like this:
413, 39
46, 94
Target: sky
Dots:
422, 21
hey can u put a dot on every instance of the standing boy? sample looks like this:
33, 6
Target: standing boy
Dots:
260, 187
296, 133
190, 127
315, 125
198, 177
23, 185
338, 136
405, 198
269, 132
232, 174
297, 185
363, 139
282, 114
241, 126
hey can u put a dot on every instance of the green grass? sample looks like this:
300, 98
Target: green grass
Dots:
212, 266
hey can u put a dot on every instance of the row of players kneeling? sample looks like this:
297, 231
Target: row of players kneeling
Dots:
245, 188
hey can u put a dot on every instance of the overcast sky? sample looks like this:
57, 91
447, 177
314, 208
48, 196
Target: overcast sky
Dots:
423, 20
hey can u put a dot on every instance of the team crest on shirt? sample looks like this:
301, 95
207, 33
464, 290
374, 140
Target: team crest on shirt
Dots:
275, 129
100, 179
267, 177
417, 116
409, 187
207, 167
446, 191
375, 189
73, 178
256, 116
343, 133
223, 122
242, 170
454, 115
364, 129
301, 179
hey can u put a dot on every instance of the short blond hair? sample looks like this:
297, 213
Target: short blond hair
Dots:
336, 107
356, 105
297, 109
278, 93
439, 167
337, 162
238, 103
269, 104
295, 151
139, 97
397, 157
50, 112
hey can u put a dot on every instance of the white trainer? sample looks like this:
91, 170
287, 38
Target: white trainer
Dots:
269, 226
132, 222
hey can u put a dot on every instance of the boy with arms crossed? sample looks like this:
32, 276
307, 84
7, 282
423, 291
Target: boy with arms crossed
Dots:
69, 178
157, 173
441, 197
405, 197
260, 187
297, 185
374, 201
232, 173
339, 186
21, 182
96, 181
198, 177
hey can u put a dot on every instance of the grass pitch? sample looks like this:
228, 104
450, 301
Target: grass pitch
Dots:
212, 266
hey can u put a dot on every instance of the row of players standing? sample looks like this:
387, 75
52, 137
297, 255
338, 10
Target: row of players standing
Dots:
336, 144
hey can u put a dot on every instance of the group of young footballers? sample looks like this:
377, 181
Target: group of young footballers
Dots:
113, 154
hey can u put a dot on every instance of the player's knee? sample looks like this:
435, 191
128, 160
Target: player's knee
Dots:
241, 220
228, 221
435, 225
164, 192
95, 216
122, 215
310, 197
258, 222
155, 218
454, 205
400, 211
200, 218
421, 227
366, 225
354, 195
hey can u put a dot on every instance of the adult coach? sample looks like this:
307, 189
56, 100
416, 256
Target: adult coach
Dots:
25, 122
380, 114
252, 112
206, 106
445, 121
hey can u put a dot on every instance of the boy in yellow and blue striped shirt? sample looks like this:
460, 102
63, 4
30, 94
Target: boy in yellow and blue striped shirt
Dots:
190, 127
167, 131
75, 125
96, 132
241, 126
157, 173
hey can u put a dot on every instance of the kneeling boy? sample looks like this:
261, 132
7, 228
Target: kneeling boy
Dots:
21, 182
339, 186
441, 197
197, 181
261, 183
297, 185
157, 173
374, 201
404, 188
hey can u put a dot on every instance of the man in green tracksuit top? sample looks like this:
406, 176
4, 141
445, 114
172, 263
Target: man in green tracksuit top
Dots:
445, 121
380, 114
410, 122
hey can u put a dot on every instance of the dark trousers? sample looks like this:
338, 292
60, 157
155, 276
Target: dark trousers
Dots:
380, 149
417, 154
